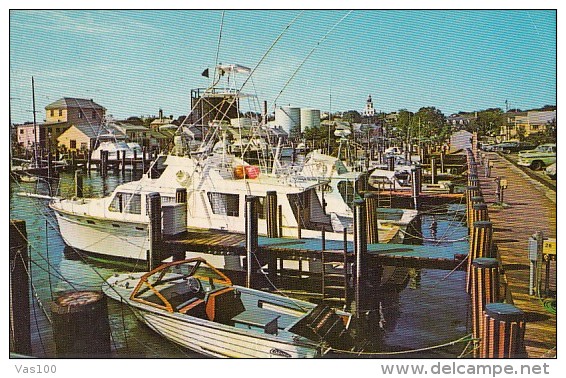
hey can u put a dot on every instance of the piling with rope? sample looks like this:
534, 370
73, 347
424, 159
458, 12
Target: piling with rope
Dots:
471, 191
360, 253
80, 325
251, 228
480, 246
20, 323
78, 184
371, 218
503, 334
485, 289
155, 229
433, 169
479, 212
271, 213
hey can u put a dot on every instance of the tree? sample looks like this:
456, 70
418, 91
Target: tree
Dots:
352, 116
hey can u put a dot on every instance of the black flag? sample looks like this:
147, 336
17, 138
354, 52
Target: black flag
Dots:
205, 73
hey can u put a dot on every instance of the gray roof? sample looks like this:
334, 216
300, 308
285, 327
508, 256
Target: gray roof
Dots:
92, 131
70, 102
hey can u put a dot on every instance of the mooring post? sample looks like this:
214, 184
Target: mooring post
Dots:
20, 325
155, 231
479, 212
104, 163
49, 166
360, 253
487, 168
371, 217
503, 332
480, 246
88, 161
474, 200
271, 213
416, 186
442, 154
280, 219
123, 163
78, 183
433, 169
485, 289
144, 152
471, 191
391, 163
251, 219
80, 324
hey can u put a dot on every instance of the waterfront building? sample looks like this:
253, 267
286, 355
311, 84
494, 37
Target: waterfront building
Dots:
526, 123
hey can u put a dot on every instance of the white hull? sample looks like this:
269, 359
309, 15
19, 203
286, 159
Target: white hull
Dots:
123, 240
215, 340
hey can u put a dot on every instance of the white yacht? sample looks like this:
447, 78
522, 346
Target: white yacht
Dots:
216, 183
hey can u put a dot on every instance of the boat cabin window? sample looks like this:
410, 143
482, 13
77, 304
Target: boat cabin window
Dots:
129, 203
224, 204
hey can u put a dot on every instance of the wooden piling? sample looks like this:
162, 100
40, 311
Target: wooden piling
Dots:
480, 246
471, 191
474, 201
78, 183
433, 169
371, 217
251, 219
416, 186
280, 219
503, 333
143, 159
271, 213
360, 253
155, 229
391, 163
20, 329
442, 153
80, 325
485, 289
103, 163
123, 163
479, 212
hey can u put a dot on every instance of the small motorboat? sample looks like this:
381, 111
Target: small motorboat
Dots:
193, 304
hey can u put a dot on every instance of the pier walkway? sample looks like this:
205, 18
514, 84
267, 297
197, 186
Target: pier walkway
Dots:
528, 207
413, 256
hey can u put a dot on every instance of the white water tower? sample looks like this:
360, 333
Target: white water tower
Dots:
288, 117
309, 118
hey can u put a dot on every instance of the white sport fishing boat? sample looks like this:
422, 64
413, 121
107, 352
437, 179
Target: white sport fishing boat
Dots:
340, 192
194, 305
216, 183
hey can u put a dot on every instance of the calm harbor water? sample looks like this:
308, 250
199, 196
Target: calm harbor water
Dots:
430, 309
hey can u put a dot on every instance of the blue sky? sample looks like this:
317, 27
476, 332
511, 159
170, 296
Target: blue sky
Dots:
136, 62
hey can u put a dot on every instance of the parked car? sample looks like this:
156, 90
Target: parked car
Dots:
542, 156
550, 171
508, 147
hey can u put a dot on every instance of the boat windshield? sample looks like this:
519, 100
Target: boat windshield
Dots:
166, 285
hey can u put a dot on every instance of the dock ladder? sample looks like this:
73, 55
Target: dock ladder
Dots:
334, 277
384, 195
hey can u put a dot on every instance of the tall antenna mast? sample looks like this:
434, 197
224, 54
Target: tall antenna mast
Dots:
35, 131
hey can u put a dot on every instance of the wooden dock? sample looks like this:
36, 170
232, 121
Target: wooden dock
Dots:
528, 207
413, 256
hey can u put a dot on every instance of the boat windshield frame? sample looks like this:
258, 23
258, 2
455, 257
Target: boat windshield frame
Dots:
145, 284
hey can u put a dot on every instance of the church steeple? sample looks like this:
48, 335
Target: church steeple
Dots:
369, 110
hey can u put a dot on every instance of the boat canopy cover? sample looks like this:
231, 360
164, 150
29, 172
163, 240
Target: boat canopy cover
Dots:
233, 68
